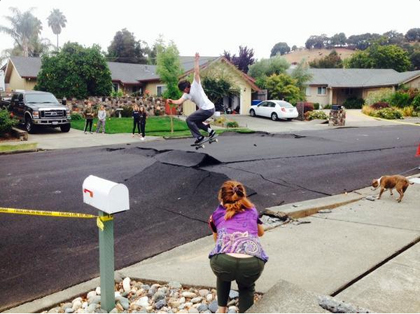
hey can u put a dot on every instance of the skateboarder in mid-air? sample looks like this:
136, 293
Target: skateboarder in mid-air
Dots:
196, 94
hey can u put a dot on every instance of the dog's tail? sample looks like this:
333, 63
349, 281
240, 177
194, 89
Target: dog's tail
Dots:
411, 183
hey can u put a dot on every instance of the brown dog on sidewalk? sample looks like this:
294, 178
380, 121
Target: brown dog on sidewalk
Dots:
398, 182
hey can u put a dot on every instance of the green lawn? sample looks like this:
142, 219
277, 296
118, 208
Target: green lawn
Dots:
12, 148
155, 126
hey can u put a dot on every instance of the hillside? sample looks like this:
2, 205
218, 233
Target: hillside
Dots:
312, 54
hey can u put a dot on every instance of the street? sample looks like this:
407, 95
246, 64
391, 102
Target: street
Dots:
173, 189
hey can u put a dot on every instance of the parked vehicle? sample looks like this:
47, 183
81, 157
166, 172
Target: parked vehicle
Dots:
34, 109
274, 109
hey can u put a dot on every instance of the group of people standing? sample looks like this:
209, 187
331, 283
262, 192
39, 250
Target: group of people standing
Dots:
139, 119
89, 114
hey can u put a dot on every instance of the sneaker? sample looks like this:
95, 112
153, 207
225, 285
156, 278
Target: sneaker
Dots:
212, 134
132, 135
142, 138
199, 140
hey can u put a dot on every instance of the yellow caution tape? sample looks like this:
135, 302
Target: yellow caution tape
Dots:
51, 214
100, 224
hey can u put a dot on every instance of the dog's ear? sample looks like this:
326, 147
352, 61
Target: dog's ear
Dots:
374, 183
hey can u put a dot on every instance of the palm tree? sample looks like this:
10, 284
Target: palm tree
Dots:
56, 20
24, 30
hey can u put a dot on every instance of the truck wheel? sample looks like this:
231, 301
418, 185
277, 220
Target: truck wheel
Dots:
65, 128
29, 126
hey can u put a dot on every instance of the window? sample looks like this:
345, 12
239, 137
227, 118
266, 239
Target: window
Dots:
349, 91
115, 87
308, 91
322, 90
160, 89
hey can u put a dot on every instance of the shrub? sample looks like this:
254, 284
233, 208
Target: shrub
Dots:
232, 124
354, 103
327, 106
400, 99
380, 105
368, 110
6, 122
408, 111
312, 115
416, 103
316, 106
308, 106
127, 111
389, 113
381, 95
76, 116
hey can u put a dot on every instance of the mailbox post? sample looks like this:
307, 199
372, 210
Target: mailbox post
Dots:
110, 198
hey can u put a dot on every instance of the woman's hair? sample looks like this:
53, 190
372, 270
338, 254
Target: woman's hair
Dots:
183, 85
142, 109
136, 107
232, 194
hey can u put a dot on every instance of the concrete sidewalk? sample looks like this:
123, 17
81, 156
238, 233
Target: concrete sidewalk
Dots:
365, 253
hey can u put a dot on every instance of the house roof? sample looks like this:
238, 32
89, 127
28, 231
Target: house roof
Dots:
26, 67
358, 78
126, 73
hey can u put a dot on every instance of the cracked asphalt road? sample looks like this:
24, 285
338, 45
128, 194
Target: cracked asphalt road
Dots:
173, 189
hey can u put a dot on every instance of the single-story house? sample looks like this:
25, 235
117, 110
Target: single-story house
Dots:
334, 86
21, 73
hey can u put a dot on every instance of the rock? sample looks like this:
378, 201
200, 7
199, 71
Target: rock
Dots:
68, 310
233, 294
98, 290
196, 300
91, 308
193, 310
127, 284
160, 304
91, 294
95, 300
209, 297
182, 300
125, 303
54, 310
114, 310
143, 302
188, 294
234, 309
77, 304
213, 306
158, 296
203, 292
202, 307
67, 305
119, 307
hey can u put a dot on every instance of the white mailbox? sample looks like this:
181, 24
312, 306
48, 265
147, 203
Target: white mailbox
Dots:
105, 195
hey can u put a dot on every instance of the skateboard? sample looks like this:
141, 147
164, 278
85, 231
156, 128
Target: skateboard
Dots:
214, 139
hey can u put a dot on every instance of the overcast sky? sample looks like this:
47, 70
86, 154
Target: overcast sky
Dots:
213, 26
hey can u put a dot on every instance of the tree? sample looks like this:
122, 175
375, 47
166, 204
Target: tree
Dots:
25, 28
75, 71
413, 34
266, 67
333, 60
381, 57
244, 60
393, 38
56, 20
363, 41
283, 86
280, 48
317, 42
301, 75
338, 40
415, 59
124, 48
169, 69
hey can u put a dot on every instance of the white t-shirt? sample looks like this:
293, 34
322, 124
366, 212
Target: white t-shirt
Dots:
198, 96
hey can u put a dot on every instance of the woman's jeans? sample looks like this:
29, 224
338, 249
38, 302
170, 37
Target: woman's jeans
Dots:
244, 270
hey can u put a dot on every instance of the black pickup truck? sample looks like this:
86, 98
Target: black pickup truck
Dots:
34, 109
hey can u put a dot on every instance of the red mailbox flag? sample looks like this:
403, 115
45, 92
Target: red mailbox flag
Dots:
418, 151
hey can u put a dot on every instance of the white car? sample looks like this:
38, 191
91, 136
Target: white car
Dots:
274, 109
